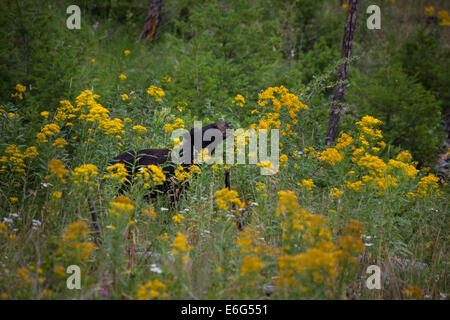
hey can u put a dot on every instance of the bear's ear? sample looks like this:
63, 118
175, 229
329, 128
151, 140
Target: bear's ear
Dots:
223, 126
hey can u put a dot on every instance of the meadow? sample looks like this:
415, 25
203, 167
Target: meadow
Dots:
71, 100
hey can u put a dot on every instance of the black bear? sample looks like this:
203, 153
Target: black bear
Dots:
133, 160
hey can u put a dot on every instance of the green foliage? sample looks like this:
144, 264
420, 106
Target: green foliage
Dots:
411, 114
426, 57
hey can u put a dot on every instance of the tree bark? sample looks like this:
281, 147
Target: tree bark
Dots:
152, 21
339, 90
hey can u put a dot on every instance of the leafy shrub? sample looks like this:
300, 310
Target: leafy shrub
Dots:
410, 113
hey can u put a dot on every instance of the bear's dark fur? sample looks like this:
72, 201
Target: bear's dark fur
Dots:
133, 160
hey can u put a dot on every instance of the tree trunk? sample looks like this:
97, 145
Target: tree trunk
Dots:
152, 21
339, 90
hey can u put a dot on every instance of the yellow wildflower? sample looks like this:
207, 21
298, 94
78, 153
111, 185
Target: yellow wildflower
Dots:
336, 192
151, 290
21, 88
156, 92
57, 168
226, 198
179, 244
429, 11
59, 143
84, 173
177, 218
331, 156
121, 205
251, 265
239, 100
139, 128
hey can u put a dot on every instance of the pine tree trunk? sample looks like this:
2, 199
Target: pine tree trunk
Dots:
152, 21
339, 91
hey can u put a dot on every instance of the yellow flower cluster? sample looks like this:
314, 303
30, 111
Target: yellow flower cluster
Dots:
74, 242
251, 265
413, 292
67, 111
336, 193
56, 195
407, 170
87, 109
379, 173
97, 113
444, 19
245, 239
311, 153
57, 168
331, 156
267, 165
281, 97
156, 92
16, 158
3, 228
367, 132
373, 164
239, 100
181, 174
344, 141
307, 184
270, 121
121, 206
287, 201
427, 184
225, 199
429, 11
139, 129
24, 275
158, 176
404, 156
19, 90
151, 290
178, 123
323, 259
150, 212
84, 174
166, 80
59, 143
355, 186
250, 242
180, 245
47, 131
177, 218
115, 171
60, 271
